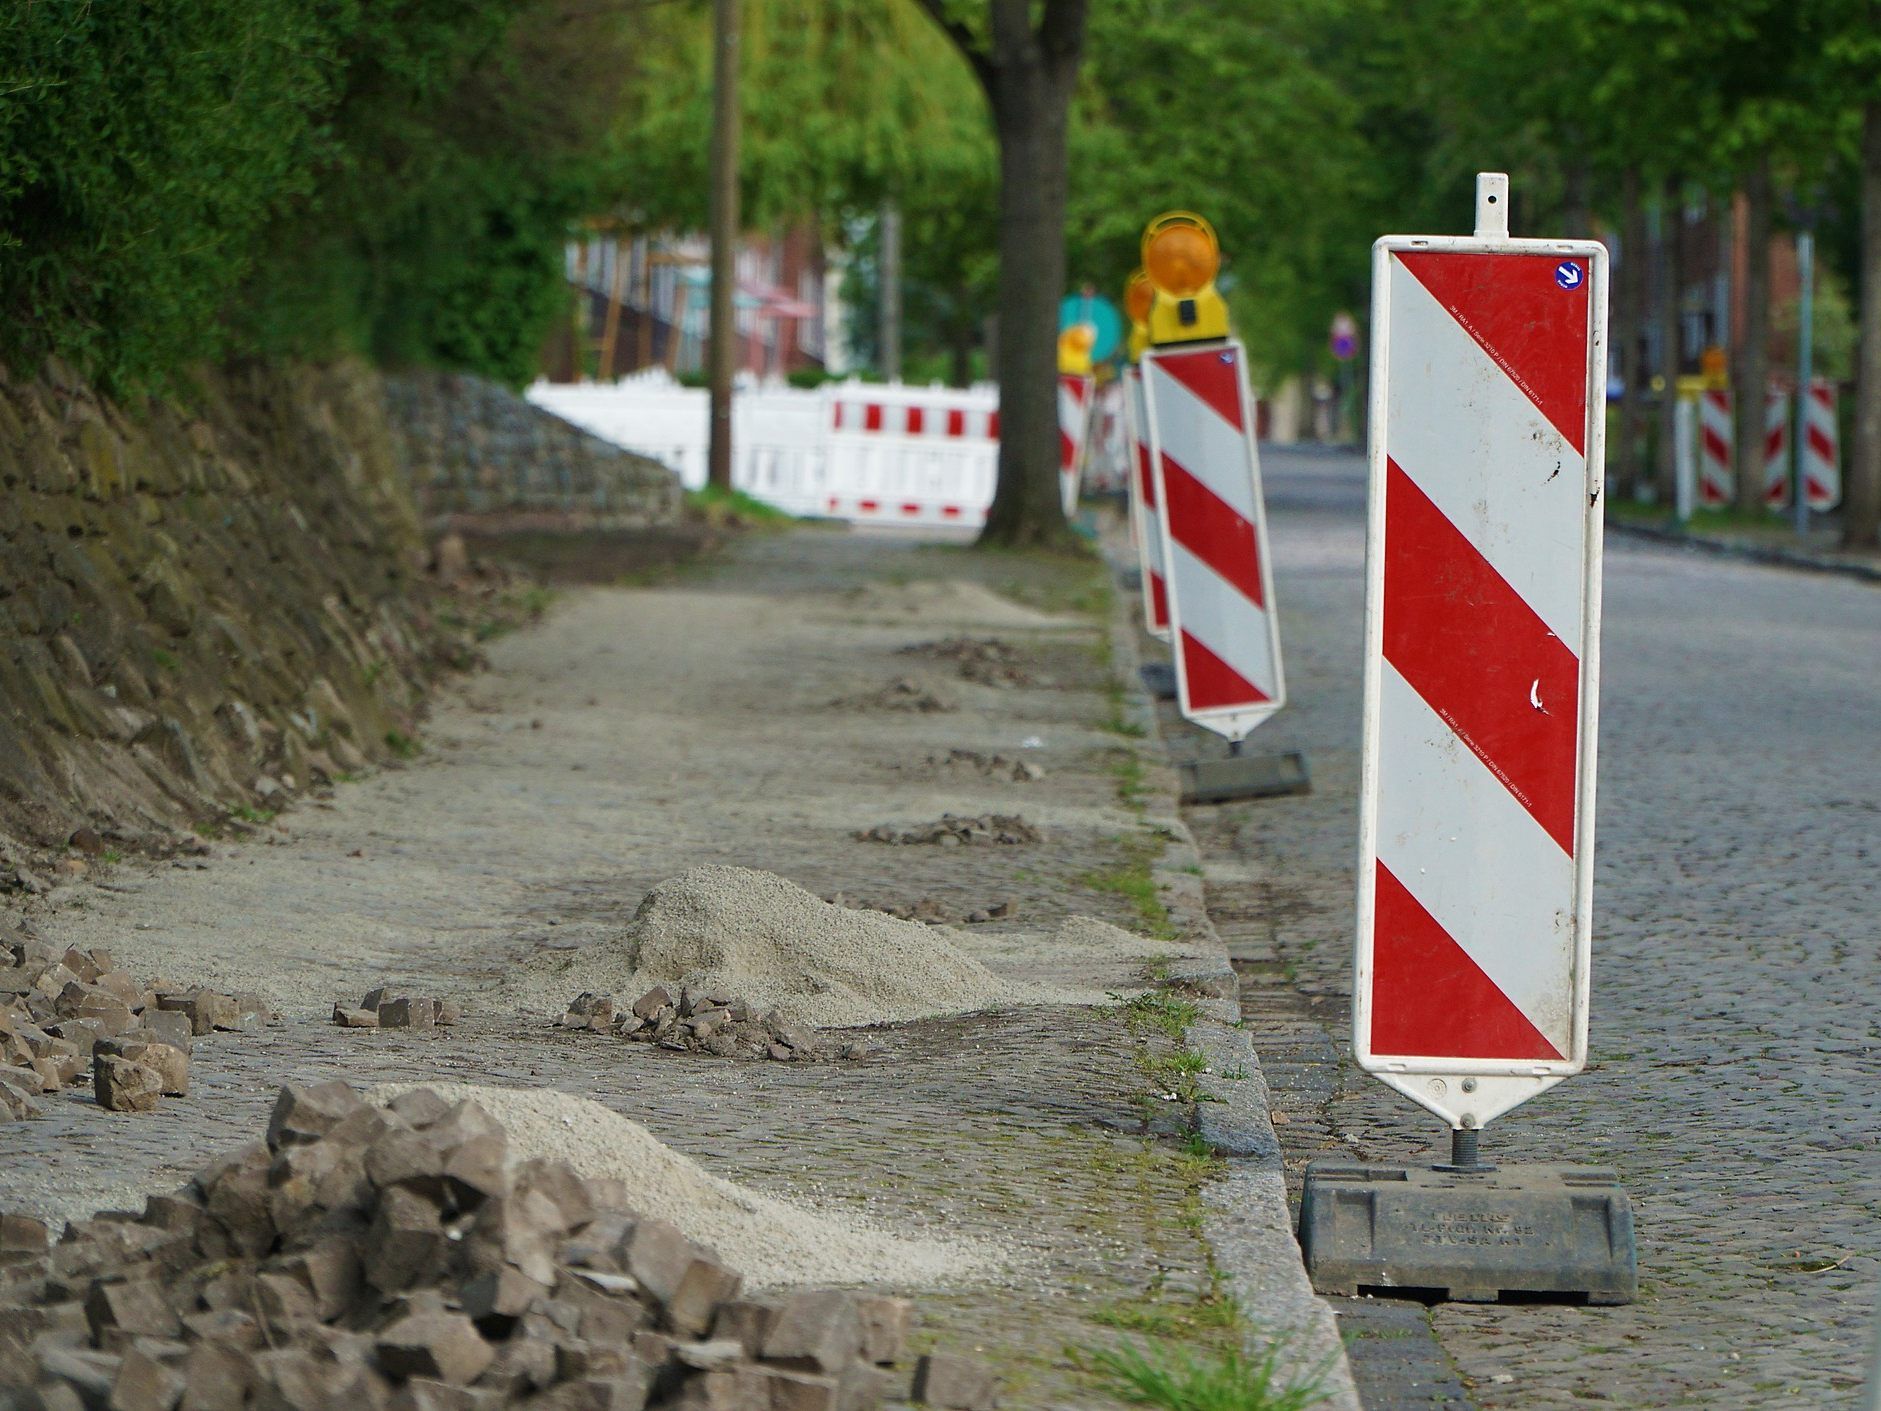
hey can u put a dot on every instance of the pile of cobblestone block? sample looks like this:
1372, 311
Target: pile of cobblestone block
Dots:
952, 831
930, 910
901, 694
992, 766
68, 1014
708, 1021
396, 1259
379, 1008
985, 661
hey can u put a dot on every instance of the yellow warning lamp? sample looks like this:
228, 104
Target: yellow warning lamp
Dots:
1181, 257
1138, 295
1074, 349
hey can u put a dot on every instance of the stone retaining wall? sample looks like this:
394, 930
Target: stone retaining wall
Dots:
476, 449
202, 603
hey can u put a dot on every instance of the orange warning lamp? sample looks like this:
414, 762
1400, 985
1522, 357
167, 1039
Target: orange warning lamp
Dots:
1138, 295
1180, 258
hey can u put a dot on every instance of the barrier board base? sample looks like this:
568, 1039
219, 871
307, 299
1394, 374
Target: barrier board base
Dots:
1159, 679
1468, 1236
1244, 776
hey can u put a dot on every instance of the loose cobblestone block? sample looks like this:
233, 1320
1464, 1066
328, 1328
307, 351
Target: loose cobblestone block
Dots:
407, 1244
216, 1377
445, 1347
172, 1064
408, 1013
138, 1306
818, 1330
355, 1018
946, 1379
786, 1390
165, 1026
123, 1086
885, 1326
304, 1114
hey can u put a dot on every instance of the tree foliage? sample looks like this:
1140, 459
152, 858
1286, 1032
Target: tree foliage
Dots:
394, 176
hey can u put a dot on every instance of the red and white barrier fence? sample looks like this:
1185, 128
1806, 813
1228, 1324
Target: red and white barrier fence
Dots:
883, 454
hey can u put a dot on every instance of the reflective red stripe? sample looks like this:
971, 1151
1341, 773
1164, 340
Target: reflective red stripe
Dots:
1519, 314
1429, 999
1211, 374
1212, 682
1210, 528
1480, 656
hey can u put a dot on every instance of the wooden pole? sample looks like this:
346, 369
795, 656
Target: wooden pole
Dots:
724, 233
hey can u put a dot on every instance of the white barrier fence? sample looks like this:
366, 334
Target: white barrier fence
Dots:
870, 453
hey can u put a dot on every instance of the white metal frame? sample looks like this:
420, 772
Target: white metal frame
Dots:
1230, 722
1148, 555
1493, 1085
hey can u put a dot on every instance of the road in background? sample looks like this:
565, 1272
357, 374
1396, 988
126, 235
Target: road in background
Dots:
1735, 1065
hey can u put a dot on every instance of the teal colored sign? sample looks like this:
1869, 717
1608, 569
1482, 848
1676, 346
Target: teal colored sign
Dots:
1100, 315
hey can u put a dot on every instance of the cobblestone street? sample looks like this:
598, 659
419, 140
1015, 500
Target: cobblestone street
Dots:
1735, 1075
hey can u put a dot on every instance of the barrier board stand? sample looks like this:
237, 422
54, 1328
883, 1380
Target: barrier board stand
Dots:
1212, 525
1477, 808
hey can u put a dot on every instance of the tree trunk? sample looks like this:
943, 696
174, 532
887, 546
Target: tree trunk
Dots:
889, 267
1631, 297
960, 347
1750, 360
1861, 505
722, 353
1031, 101
1671, 224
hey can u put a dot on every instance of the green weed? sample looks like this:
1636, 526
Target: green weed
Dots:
1160, 1011
718, 506
1176, 1379
402, 745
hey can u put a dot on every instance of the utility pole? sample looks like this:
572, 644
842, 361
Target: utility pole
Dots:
889, 272
1805, 369
723, 331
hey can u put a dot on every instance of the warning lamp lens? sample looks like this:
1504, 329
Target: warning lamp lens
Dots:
1180, 260
1138, 296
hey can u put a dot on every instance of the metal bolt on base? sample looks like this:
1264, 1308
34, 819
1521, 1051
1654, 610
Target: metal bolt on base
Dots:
1465, 1154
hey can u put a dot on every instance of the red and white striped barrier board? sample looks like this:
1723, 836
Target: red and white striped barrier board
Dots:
1483, 611
1776, 447
1143, 512
939, 423
1715, 438
1821, 448
1074, 425
1207, 486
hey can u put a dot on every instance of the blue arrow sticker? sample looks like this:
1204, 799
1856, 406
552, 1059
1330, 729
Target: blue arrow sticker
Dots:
1568, 275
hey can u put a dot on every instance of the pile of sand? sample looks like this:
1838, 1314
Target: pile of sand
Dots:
769, 942
769, 1241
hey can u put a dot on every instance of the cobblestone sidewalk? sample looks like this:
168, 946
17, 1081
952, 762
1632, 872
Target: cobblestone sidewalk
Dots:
640, 732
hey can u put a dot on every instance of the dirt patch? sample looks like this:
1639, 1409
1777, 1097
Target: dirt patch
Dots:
985, 661
904, 694
953, 600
